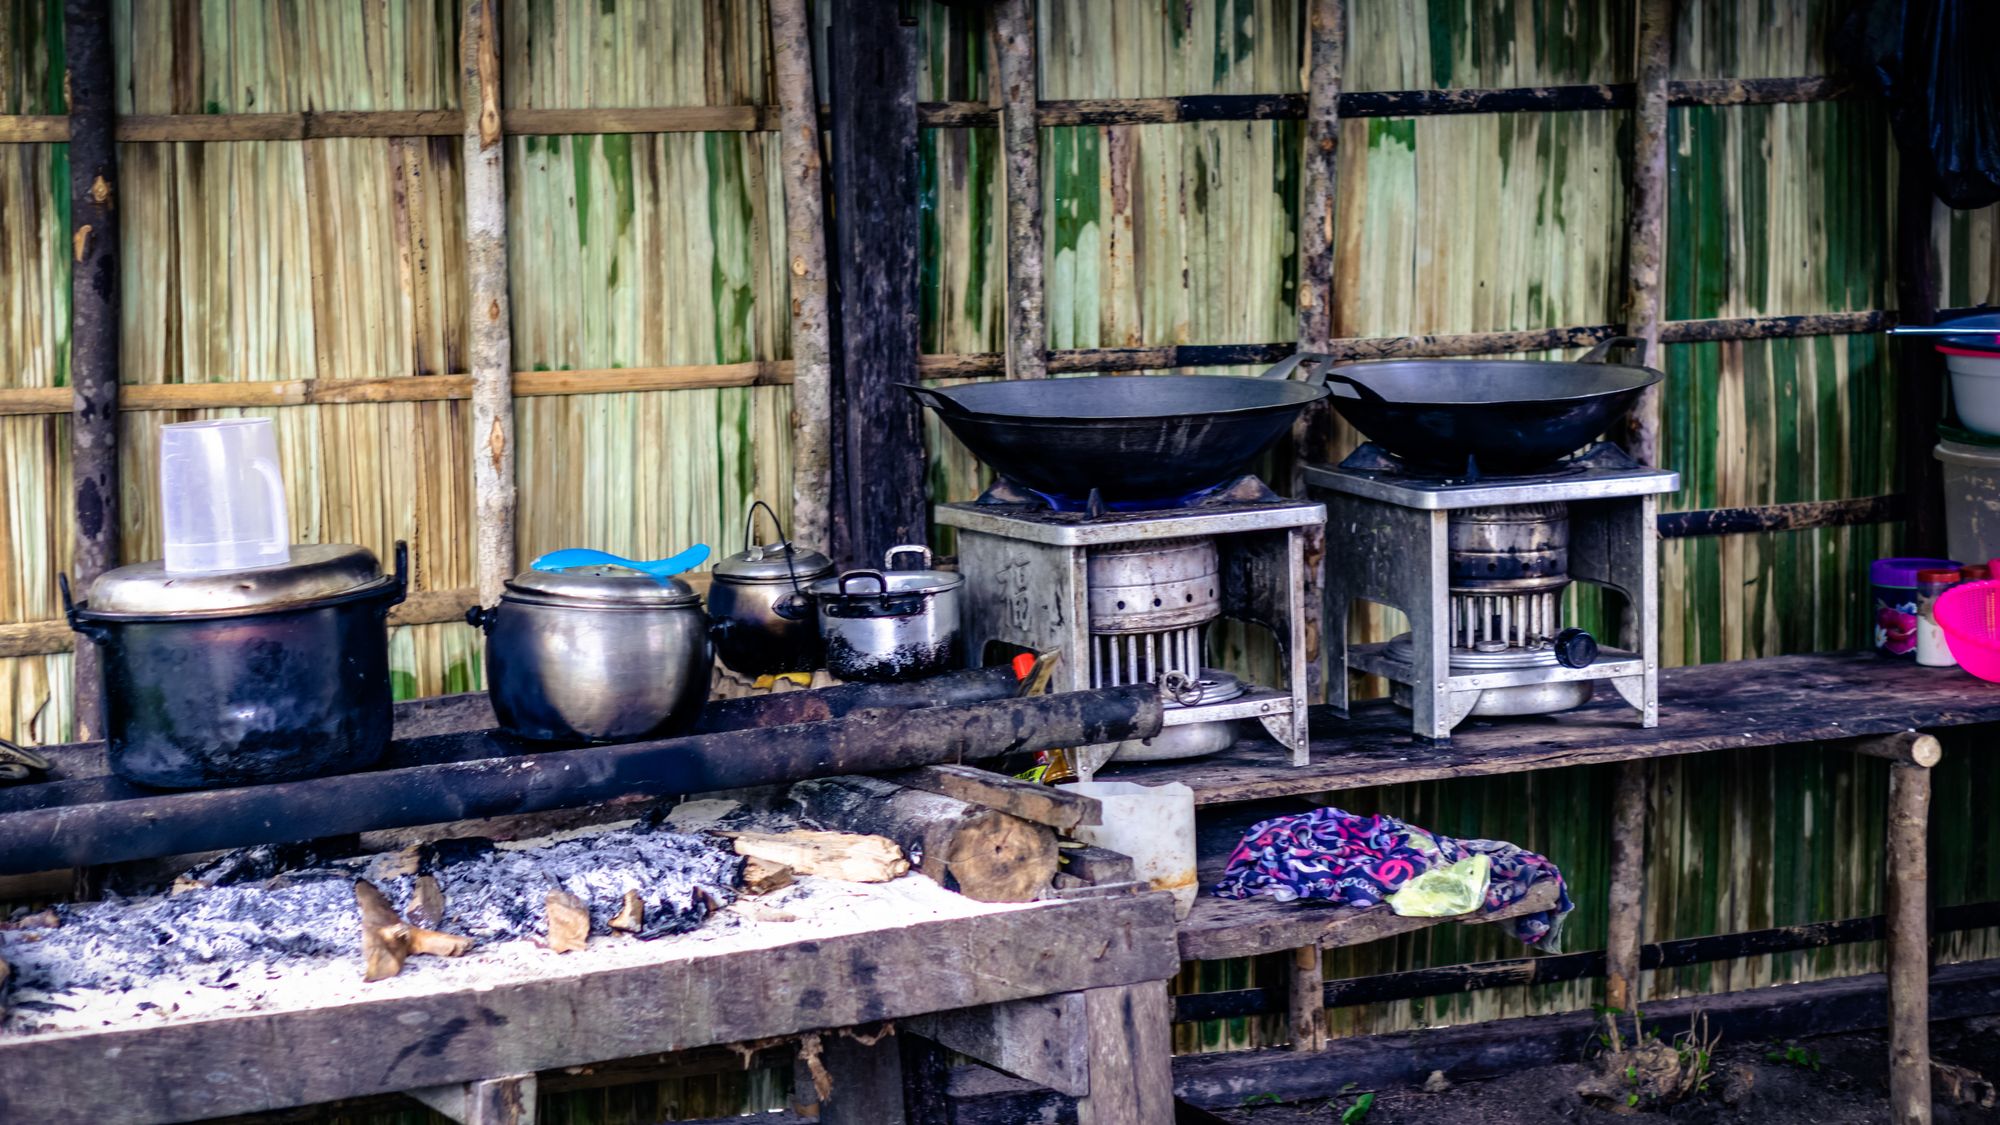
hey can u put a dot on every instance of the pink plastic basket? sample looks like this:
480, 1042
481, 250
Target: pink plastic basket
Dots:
1969, 614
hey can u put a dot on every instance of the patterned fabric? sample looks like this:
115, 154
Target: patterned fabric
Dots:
1335, 855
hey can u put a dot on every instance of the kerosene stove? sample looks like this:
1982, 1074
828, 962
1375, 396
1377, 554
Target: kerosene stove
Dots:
1128, 596
1479, 565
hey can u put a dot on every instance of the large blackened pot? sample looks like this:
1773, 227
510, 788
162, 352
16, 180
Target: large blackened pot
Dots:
238, 677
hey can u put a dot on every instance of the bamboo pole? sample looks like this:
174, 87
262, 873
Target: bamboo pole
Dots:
491, 345
1645, 239
94, 316
1626, 934
1908, 880
805, 241
1027, 335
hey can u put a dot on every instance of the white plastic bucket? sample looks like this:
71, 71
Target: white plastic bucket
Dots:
1975, 388
1154, 824
1971, 499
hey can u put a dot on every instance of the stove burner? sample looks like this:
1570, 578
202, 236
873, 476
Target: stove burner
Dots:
1603, 456
1006, 493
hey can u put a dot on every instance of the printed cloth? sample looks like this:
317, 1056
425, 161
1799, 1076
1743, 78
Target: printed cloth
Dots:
1335, 855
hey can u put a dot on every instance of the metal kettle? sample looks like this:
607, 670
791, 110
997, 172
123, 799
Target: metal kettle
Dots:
759, 616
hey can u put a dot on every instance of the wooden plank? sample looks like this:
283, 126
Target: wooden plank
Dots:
91, 86
895, 972
1909, 960
1130, 1045
879, 493
1783, 517
1020, 140
489, 350
1827, 697
1060, 809
1221, 928
1645, 233
805, 247
1044, 1040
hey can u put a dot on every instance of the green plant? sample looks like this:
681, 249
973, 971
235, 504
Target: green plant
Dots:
1795, 1055
1353, 1114
1262, 1099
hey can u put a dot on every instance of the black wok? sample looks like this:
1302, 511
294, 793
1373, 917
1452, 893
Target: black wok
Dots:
1137, 439
1509, 415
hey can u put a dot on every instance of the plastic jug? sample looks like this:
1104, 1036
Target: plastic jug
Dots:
222, 496
1154, 824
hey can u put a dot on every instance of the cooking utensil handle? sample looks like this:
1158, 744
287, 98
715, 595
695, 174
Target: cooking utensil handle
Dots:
1315, 373
1597, 354
932, 399
750, 526
854, 574
402, 572
481, 618
96, 633
1367, 392
889, 556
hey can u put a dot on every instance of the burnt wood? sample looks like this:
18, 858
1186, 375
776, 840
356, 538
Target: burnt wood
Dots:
101, 820
1060, 809
1783, 517
168, 1072
1827, 697
1497, 1047
980, 852
878, 437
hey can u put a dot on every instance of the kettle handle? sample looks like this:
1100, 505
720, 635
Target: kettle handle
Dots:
750, 526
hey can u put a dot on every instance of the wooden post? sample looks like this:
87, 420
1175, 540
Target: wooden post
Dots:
491, 347
1020, 136
1626, 933
854, 1077
1312, 432
1920, 387
879, 490
1307, 994
93, 322
494, 1101
805, 244
1131, 1056
1645, 236
1908, 880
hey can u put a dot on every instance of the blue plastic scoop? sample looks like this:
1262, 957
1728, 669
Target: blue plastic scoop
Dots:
661, 569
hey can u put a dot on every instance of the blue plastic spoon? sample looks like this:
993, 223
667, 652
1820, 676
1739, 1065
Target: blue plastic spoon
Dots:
658, 569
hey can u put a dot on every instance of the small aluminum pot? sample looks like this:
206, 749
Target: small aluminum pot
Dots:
890, 626
595, 654
761, 624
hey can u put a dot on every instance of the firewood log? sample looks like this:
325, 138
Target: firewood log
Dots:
980, 852
828, 855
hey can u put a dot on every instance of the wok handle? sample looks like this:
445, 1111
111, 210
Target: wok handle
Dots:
1315, 374
1367, 393
1597, 354
932, 399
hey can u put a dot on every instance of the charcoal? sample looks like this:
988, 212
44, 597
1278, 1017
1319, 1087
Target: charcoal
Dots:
252, 865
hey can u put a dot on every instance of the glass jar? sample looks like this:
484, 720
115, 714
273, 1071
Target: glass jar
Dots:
1932, 650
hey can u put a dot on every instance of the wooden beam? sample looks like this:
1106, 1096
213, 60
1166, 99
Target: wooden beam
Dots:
805, 246
1645, 232
1044, 1040
94, 320
1776, 327
1060, 809
1909, 747
1907, 879
490, 345
1782, 517
1626, 934
864, 1072
879, 493
1130, 1043
1020, 140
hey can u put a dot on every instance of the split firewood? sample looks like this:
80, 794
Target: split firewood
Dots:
829, 855
569, 922
631, 918
431, 943
387, 940
761, 876
40, 920
426, 903
983, 853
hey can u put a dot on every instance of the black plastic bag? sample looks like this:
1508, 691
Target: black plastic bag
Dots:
1934, 60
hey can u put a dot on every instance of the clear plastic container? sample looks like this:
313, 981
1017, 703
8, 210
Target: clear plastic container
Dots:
1932, 649
1154, 824
222, 496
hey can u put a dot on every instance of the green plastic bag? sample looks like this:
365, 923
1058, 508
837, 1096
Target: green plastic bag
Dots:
1445, 891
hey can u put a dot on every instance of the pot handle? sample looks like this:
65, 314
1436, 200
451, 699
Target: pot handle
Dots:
96, 633
402, 572
940, 403
1597, 354
481, 618
889, 556
1316, 364
1366, 392
854, 574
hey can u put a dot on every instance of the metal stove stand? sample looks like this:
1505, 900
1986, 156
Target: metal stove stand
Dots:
1387, 542
1027, 584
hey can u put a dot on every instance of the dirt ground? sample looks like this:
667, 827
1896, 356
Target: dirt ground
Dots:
1850, 1086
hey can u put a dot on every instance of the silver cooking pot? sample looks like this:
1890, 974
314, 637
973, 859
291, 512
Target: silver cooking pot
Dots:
761, 624
595, 654
890, 626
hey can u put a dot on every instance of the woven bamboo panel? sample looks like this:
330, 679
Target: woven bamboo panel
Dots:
1469, 44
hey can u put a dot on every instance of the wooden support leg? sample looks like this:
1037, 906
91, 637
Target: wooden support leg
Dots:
853, 1077
494, 1101
1628, 887
1308, 999
1131, 1056
926, 1072
1909, 945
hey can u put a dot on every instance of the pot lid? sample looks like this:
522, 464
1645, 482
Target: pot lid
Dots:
766, 562
316, 571
601, 586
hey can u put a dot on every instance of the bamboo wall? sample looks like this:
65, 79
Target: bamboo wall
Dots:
340, 260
